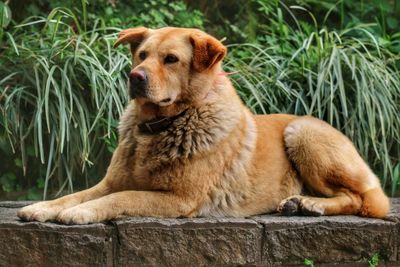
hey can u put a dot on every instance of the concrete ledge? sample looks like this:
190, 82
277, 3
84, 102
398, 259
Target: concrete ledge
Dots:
268, 240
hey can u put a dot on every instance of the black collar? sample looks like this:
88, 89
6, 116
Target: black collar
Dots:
159, 124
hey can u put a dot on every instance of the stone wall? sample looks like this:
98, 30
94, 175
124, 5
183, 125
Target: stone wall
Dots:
268, 240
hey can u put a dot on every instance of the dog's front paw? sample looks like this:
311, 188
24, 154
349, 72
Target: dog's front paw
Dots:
42, 212
78, 215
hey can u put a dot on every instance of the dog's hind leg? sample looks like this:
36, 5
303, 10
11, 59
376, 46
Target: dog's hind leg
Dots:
330, 167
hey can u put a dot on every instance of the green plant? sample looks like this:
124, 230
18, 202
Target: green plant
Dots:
8, 182
62, 86
374, 261
396, 178
350, 82
308, 262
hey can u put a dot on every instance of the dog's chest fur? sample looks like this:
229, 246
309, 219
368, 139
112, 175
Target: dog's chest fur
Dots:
205, 153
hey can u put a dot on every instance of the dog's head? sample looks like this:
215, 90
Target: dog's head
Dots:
171, 65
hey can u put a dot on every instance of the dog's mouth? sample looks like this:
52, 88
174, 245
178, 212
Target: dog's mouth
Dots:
165, 102
157, 96
169, 99
162, 103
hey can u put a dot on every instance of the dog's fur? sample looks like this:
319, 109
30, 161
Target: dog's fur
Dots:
217, 158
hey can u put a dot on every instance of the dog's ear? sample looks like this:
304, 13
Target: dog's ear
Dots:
207, 51
133, 36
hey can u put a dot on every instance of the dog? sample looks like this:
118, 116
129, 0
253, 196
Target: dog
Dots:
189, 147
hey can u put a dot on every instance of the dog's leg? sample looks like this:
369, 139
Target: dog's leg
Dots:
330, 166
130, 203
114, 181
48, 210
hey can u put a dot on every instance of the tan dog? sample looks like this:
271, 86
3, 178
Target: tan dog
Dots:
189, 147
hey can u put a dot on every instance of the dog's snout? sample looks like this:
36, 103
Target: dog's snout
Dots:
138, 75
138, 83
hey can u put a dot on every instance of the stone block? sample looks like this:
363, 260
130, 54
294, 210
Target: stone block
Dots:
268, 240
326, 240
189, 242
394, 216
50, 244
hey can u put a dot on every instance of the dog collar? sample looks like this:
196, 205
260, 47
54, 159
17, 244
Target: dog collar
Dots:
158, 125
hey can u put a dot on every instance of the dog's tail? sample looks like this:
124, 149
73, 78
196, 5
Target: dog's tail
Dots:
374, 203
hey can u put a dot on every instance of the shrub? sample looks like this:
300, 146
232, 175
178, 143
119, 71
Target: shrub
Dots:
346, 78
62, 85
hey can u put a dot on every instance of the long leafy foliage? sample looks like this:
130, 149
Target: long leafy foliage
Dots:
61, 91
346, 78
62, 88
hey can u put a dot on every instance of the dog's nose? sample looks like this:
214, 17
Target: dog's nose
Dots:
138, 83
138, 76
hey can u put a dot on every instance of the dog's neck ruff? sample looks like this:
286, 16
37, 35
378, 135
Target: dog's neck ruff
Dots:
159, 124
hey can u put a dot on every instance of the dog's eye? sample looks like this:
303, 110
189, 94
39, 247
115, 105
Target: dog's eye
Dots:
169, 59
142, 55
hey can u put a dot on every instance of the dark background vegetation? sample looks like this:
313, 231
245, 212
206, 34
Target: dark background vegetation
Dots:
62, 86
